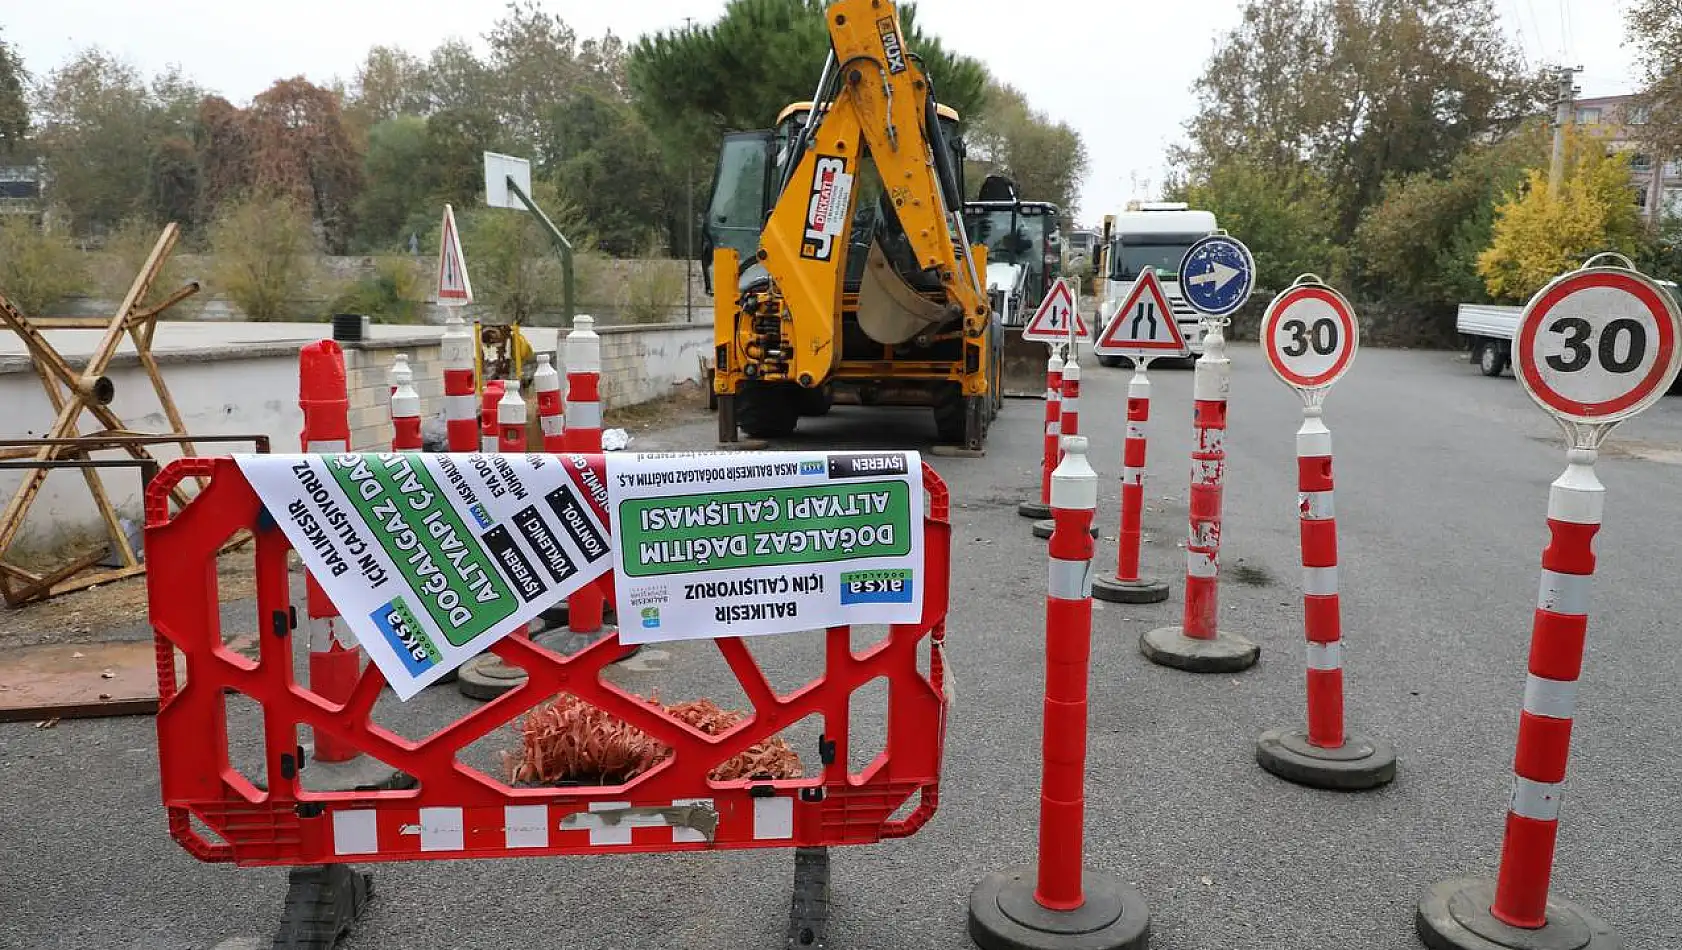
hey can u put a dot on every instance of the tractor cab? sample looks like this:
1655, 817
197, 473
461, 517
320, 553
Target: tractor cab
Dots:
1022, 237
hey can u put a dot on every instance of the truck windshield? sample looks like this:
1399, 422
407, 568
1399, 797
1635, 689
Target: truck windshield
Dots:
1134, 258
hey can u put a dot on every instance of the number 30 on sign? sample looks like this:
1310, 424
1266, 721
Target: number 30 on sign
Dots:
1310, 335
1598, 344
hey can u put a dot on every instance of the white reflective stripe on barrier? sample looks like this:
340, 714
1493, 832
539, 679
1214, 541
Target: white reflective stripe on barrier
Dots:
1132, 476
773, 818
1316, 505
1053, 395
440, 829
1325, 656
1566, 594
1555, 699
1071, 405
1199, 564
327, 447
1319, 581
1538, 801
487, 444
1135, 431
552, 425
1067, 580
1054, 427
405, 406
1207, 471
584, 415
461, 407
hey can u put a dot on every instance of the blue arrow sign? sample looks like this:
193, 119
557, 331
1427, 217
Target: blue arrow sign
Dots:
1217, 275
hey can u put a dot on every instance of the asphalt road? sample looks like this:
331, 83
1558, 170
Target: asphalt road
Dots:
1442, 482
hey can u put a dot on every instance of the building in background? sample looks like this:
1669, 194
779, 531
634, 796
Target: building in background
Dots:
1617, 120
20, 190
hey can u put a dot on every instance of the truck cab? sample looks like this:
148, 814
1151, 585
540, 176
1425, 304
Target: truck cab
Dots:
1156, 235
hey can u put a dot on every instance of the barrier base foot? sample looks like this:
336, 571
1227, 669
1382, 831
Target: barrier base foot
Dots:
808, 912
1454, 915
1034, 509
1003, 915
361, 774
321, 905
1226, 653
1359, 764
1141, 591
486, 677
1043, 529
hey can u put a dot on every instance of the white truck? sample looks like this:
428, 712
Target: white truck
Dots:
1153, 234
1488, 331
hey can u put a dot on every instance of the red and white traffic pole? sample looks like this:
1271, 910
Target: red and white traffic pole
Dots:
405, 408
489, 400
485, 676
461, 412
1062, 897
585, 608
1199, 645
547, 384
1127, 587
1053, 432
1068, 424
1325, 756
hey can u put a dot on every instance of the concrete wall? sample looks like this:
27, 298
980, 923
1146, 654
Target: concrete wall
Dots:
239, 385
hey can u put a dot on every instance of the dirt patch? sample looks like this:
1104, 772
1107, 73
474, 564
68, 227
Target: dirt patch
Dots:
1252, 576
117, 604
686, 403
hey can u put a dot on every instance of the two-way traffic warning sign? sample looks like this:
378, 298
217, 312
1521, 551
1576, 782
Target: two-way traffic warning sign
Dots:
1052, 320
1143, 326
453, 286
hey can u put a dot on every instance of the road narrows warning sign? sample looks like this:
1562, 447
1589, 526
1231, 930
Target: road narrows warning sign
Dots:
1051, 321
453, 285
1143, 327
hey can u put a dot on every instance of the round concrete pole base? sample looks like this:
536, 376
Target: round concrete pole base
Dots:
1034, 509
1003, 915
1359, 764
485, 677
1226, 653
1142, 591
1454, 915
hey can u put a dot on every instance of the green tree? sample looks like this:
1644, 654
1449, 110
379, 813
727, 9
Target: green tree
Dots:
263, 250
515, 270
1046, 159
37, 269
390, 82
694, 84
1655, 30
1421, 242
1361, 90
399, 181
607, 163
95, 118
14, 105
1279, 214
456, 140
1538, 236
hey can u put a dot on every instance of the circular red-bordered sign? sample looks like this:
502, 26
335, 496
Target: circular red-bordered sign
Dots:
1598, 345
1310, 336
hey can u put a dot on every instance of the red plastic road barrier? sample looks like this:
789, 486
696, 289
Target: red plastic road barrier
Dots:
325, 401
489, 400
1127, 587
457, 811
1320, 610
461, 414
584, 436
550, 416
1076, 906
405, 409
1053, 434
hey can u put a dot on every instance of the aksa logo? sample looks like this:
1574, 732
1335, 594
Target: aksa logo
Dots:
400, 628
891, 44
812, 468
651, 618
832, 190
480, 515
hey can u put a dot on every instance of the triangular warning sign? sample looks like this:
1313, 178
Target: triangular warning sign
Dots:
1051, 321
1144, 324
453, 285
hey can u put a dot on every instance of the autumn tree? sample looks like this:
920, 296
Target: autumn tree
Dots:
300, 148
14, 105
1655, 30
1046, 159
390, 82
1537, 235
1359, 91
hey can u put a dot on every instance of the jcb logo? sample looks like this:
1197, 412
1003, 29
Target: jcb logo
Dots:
891, 44
831, 191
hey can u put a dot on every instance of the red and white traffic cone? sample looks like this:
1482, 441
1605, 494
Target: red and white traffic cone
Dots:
405, 408
1127, 587
550, 416
1198, 644
1041, 509
486, 676
1060, 902
1324, 756
1515, 910
335, 660
1068, 424
461, 411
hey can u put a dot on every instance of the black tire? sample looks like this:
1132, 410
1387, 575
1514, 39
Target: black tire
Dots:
768, 411
950, 414
815, 402
1492, 361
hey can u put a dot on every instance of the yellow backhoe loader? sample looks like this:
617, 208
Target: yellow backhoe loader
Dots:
839, 263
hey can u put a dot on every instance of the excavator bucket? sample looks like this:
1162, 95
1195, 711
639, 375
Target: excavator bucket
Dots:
1024, 366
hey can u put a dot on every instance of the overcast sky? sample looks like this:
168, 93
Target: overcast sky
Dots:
1120, 71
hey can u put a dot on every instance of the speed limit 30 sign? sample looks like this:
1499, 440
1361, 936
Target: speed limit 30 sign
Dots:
1598, 345
1310, 336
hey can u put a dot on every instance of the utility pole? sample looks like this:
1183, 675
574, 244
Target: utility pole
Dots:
689, 224
1565, 101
